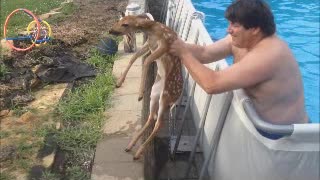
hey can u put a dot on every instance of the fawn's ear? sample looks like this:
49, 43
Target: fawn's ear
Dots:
146, 16
143, 22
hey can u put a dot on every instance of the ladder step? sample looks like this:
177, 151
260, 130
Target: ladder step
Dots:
185, 144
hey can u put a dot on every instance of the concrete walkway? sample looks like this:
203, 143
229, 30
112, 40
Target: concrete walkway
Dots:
123, 119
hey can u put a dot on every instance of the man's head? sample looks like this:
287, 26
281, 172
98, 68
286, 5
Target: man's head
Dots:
252, 14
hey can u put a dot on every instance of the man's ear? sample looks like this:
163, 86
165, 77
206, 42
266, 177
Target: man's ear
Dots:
256, 30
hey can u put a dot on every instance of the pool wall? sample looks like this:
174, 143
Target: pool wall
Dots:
239, 140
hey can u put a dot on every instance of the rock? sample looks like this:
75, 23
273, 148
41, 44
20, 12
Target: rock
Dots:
35, 83
36, 172
22, 99
5, 48
42, 107
48, 160
47, 61
58, 125
4, 90
4, 112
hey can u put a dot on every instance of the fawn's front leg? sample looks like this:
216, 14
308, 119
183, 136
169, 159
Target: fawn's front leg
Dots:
152, 57
142, 51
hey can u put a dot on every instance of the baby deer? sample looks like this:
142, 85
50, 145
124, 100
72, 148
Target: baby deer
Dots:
168, 84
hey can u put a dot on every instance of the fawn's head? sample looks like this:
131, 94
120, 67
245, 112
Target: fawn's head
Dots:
129, 24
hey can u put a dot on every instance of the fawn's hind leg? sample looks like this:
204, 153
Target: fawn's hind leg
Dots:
154, 105
163, 107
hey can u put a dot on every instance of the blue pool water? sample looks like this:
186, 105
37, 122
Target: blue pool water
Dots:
297, 23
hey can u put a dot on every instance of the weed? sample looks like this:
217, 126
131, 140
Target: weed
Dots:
3, 70
4, 134
78, 138
18, 110
6, 176
82, 114
66, 10
75, 173
81, 158
24, 149
33, 110
44, 130
23, 163
118, 39
88, 99
47, 175
99, 61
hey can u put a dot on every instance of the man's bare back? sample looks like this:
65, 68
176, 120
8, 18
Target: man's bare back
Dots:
279, 99
263, 64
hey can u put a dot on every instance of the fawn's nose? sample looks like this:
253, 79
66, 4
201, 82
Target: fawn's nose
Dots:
113, 32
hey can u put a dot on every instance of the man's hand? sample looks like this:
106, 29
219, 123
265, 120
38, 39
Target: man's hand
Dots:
178, 47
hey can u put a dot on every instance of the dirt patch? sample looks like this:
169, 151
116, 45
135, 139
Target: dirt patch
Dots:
21, 84
73, 39
91, 21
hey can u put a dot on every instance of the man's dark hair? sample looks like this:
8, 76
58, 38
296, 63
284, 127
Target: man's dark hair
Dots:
251, 14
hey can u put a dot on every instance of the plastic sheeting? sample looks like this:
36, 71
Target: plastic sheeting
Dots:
65, 69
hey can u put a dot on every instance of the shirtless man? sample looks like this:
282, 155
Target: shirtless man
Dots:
264, 66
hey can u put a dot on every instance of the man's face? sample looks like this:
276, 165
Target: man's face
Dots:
240, 35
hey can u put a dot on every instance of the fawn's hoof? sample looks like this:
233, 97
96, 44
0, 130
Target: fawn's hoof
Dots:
118, 85
140, 98
136, 158
127, 150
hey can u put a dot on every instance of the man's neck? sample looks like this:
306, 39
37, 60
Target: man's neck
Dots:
255, 40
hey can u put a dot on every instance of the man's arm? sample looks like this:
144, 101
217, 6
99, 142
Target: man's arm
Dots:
204, 54
252, 69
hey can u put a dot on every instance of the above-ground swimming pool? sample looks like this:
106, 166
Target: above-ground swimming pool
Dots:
297, 23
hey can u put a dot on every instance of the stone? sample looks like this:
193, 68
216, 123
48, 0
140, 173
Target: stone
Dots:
4, 112
48, 160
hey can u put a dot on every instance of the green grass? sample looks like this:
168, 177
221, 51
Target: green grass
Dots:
88, 99
18, 110
99, 61
81, 111
75, 173
20, 20
47, 175
4, 134
74, 139
6, 176
66, 10
82, 115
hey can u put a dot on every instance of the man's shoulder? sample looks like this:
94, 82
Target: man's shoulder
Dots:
271, 48
273, 44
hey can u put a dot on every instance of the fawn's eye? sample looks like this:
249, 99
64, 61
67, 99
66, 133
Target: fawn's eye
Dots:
125, 25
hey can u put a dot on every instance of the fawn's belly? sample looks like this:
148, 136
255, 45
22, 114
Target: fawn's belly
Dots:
161, 70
